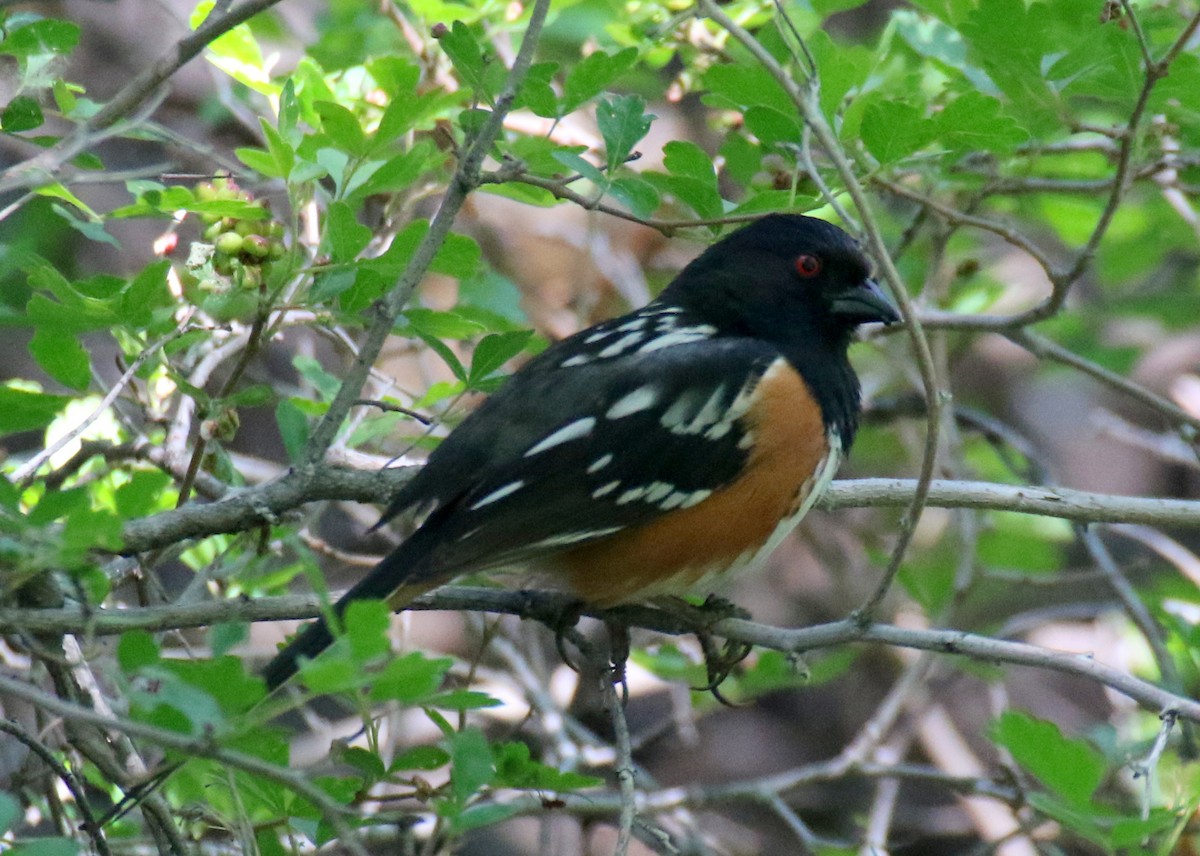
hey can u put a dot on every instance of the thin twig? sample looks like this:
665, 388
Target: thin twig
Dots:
465, 179
199, 747
809, 109
251, 507
547, 608
24, 473
69, 780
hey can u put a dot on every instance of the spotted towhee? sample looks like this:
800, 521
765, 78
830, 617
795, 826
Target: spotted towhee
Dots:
652, 453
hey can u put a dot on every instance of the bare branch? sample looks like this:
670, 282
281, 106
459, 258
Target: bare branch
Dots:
548, 608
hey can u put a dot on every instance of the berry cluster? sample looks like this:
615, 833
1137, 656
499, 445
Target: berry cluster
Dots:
226, 271
239, 242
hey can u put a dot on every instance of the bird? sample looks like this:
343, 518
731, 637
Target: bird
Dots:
654, 453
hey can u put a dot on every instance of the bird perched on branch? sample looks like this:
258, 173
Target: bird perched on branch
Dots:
653, 453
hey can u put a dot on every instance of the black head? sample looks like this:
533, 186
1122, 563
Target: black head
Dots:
784, 278
799, 283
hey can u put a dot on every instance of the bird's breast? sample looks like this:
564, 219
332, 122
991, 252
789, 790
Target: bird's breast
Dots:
791, 459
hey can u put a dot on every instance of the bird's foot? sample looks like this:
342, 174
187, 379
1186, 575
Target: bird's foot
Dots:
719, 659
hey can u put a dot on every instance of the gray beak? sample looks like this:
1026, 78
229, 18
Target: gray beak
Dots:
864, 303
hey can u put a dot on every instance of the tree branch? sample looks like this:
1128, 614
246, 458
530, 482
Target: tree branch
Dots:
548, 608
250, 508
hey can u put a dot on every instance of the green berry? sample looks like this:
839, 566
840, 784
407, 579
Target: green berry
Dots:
230, 243
256, 246
213, 232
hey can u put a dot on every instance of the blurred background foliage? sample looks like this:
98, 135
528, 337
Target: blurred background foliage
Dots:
184, 285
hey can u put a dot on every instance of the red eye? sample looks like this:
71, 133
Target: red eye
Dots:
807, 265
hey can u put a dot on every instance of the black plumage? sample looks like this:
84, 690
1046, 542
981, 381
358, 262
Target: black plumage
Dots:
651, 402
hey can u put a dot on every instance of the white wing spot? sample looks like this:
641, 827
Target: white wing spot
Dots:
498, 494
681, 336
605, 489
658, 490
635, 324
576, 430
625, 342
642, 398
600, 463
681, 410
631, 495
674, 500
597, 336
568, 538
577, 360
695, 498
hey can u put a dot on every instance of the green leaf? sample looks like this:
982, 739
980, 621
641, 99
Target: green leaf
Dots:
892, 130
366, 623
312, 371
479, 816
462, 700
21, 410
421, 758
466, 56
347, 237
147, 292
341, 126
293, 428
21, 114
700, 196
283, 155
136, 650
143, 494
48, 35
459, 256
593, 74
367, 763
1009, 40
681, 157
586, 169
58, 503
536, 93
91, 229
772, 127
236, 52
10, 812
1070, 768
973, 123
623, 122
62, 357
45, 847
516, 769
89, 529
261, 162
825, 8
227, 635
494, 351
224, 680
747, 85
441, 325
636, 194
399, 172
410, 679
471, 765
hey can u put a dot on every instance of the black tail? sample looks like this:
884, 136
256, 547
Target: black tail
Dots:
310, 642
390, 580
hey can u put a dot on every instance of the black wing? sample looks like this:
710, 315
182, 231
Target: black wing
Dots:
565, 454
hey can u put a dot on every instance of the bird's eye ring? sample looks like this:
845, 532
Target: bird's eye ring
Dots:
808, 265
